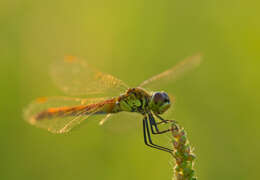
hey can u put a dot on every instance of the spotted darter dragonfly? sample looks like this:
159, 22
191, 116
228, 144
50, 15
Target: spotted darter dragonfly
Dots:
75, 77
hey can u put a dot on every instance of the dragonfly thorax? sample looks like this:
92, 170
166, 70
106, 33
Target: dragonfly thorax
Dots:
134, 100
160, 102
138, 100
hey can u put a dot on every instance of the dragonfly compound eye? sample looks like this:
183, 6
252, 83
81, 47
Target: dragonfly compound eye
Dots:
160, 102
158, 98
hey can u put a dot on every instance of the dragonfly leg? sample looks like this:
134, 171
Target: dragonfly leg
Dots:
154, 124
147, 134
164, 120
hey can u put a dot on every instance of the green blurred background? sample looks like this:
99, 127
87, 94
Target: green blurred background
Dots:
218, 104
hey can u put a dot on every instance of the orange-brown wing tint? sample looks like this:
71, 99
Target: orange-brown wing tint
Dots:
173, 73
61, 114
76, 77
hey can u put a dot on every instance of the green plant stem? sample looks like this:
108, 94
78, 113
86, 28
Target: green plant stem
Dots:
183, 155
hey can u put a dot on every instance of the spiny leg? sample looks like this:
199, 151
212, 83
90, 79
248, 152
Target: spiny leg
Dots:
146, 129
154, 124
150, 141
164, 120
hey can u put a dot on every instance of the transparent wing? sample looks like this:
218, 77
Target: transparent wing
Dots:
76, 77
60, 114
173, 73
123, 122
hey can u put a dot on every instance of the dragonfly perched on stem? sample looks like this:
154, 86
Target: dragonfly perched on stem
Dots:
76, 77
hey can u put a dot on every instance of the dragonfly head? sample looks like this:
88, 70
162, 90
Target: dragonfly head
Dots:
160, 102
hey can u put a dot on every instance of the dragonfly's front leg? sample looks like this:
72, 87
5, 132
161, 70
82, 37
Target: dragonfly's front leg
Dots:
164, 120
153, 124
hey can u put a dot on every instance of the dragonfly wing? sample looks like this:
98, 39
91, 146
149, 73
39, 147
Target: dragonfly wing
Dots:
108, 116
122, 122
76, 77
129, 122
60, 114
173, 73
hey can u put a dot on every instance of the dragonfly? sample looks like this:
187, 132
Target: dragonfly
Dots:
77, 78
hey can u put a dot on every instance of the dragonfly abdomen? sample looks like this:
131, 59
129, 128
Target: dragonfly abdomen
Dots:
103, 107
134, 100
60, 111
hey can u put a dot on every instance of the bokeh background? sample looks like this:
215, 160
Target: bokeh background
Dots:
218, 103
